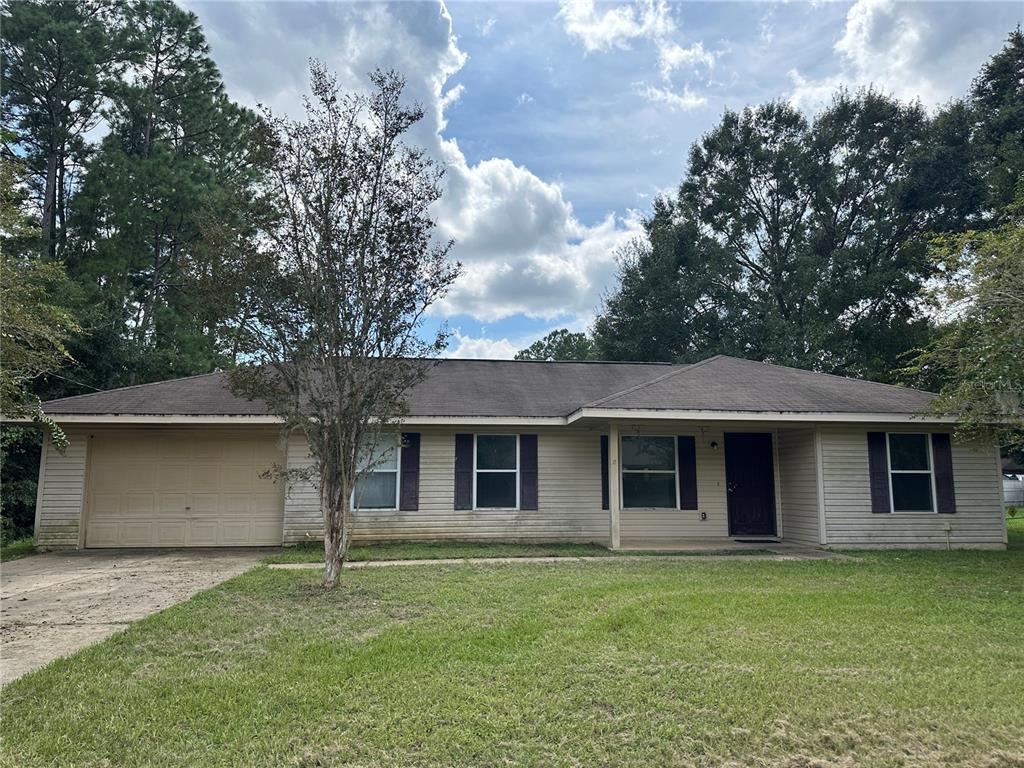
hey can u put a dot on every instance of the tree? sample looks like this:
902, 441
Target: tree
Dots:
997, 100
978, 355
34, 330
559, 345
791, 242
673, 297
340, 289
59, 58
179, 167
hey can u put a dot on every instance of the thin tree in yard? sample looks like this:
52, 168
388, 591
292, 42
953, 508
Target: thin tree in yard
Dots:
340, 286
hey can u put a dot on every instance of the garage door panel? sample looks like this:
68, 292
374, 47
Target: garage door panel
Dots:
172, 533
173, 476
173, 503
174, 489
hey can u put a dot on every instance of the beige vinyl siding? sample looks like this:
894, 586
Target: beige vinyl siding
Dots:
569, 495
798, 481
61, 491
302, 518
978, 520
647, 523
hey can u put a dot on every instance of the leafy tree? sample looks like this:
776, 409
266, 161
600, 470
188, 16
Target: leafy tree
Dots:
790, 241
979, 354
560, 344
59, 58
333, 342
997, 100
675, 288
179, 165
33, 337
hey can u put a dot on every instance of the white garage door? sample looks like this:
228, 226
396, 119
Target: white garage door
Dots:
194, 488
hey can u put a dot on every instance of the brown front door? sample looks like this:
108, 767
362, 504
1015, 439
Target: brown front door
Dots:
750, 483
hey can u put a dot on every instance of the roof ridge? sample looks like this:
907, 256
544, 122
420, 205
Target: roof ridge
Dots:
824, 373
641, 385
132, 386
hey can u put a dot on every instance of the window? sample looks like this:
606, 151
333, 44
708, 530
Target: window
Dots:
378, 488
649, 472
496, 472
910, 473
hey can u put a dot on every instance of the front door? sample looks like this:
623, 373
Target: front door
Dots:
750, 483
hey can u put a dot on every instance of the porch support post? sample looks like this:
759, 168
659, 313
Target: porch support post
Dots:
614, 495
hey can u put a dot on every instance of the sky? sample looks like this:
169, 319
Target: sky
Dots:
559, 123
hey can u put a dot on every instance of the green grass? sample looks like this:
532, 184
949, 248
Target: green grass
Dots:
894, 659
313, 552
12, 550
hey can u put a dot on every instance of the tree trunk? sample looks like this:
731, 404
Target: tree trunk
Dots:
50, 203
334, 506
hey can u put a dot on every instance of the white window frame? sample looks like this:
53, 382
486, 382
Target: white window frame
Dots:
931, 472
398, 483
513, 471
674, 471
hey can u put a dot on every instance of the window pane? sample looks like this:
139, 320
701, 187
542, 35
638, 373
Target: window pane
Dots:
496, 452
384, 455
496, 489
912, 492
376, 491
640, 489
648, 453
908, 451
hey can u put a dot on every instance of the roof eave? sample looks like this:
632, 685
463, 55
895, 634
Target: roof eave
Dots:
723, 415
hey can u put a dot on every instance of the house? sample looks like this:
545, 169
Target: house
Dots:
624, 454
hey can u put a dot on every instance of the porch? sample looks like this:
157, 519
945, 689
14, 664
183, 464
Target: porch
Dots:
707, 486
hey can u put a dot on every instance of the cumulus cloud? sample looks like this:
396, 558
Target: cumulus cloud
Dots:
617, 27
482, 347
914, 51
523, 249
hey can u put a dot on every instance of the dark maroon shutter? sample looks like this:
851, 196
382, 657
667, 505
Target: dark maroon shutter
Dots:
604, 471
687, 471
878, 472
527, 471
942, 455
409, 490
463, 471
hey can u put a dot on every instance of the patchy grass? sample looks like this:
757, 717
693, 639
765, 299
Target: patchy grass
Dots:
313, 552
896, 659
1015, 531
13, 550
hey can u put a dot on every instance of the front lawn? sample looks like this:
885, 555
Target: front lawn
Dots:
895, 659
313, 552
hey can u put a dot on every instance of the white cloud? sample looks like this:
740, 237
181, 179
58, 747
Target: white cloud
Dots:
482, 347
911, 50
682, 101
618, 26
522, 247
524, 98
487, 27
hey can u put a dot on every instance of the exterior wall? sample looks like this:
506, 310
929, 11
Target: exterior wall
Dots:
569, 495
61, 492
798, 481
978, 521
640, 523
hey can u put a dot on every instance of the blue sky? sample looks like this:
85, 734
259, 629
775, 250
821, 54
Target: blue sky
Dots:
559, 122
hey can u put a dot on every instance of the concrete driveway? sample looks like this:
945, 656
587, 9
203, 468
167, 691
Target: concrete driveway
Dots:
53, 604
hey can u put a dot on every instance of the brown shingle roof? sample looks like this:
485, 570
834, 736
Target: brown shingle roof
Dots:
547, 389
730, 384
